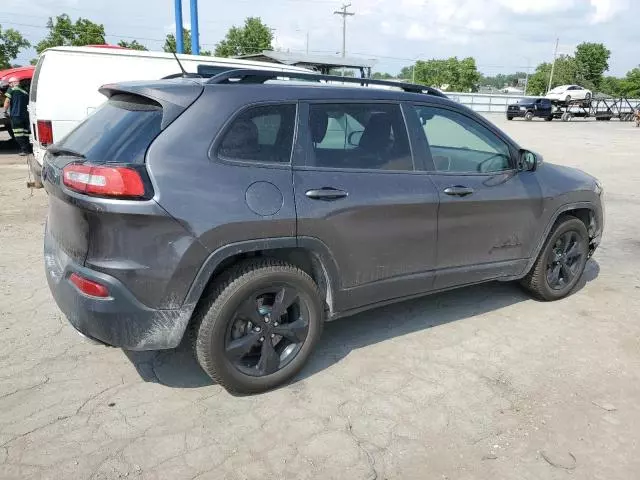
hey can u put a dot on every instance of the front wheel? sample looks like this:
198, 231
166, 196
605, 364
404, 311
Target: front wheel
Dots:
528, 116
587, 97
561, 261
568, 99
258, 328
548, 119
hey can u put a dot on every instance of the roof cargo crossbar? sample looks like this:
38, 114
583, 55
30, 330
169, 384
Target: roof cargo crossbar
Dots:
261, 76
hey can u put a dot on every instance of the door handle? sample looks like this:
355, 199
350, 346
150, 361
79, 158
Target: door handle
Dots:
326, 193
458, 191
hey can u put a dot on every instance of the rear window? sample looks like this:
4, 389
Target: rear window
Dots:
260, 134
120, 131
33, 93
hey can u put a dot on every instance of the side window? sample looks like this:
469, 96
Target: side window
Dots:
359, 136
261, 134
459, 144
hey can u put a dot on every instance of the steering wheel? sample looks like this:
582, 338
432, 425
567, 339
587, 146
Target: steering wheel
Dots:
485, 165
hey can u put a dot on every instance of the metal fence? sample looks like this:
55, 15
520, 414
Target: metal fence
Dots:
490, 102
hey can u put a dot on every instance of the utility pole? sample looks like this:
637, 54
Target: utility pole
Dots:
553, 65
307, 42
526, 78
344, 14
195, 34
179, 37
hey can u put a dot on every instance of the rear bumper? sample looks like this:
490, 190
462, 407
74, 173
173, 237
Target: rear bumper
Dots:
119, 320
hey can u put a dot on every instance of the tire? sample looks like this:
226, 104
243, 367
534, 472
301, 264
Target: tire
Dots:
218, 314
537, 281
528, 116
548, 119
568, 99
509, 117
587, 97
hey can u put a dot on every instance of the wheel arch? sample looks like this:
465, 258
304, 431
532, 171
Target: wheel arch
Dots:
309, 254
583, 211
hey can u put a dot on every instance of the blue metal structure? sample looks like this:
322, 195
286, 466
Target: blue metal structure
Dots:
195, 34
179, 37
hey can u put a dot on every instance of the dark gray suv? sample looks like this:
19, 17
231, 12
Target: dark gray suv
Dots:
248, 209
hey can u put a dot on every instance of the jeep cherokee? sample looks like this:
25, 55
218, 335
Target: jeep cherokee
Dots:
247, 209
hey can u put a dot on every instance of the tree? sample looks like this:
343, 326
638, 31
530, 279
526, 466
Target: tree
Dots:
407, 72
133, 45
611, 86
254, 37
339, 72
11, 42
630, 85
501, 80
62, 31
450, 74
592, 60
468, 75
564, 73
382, 76
170, 43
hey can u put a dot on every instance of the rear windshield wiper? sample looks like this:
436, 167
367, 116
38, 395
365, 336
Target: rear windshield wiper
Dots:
55, 151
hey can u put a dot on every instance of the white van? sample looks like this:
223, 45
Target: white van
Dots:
64, 88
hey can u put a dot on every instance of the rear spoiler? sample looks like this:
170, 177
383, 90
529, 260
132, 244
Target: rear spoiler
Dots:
174, 96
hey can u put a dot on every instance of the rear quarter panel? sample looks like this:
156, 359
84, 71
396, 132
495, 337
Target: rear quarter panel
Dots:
208, 196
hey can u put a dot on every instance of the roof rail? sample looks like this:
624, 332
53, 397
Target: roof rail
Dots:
261, 76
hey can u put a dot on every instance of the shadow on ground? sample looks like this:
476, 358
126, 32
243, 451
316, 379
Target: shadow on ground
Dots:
178, 368
8, 146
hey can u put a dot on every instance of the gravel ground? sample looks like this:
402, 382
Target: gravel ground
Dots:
478, 383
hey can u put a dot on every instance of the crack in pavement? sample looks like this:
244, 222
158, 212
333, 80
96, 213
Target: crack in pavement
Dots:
26, 389
349, 429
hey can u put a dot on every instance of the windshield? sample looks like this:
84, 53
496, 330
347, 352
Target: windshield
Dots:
120, 131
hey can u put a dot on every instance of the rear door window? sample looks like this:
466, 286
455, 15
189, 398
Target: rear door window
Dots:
369, 136
120, 131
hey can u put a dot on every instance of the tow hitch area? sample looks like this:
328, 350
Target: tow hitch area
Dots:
35, 173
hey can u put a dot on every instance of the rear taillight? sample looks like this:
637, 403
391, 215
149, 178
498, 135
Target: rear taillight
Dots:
89, 287
45, 132
103, 181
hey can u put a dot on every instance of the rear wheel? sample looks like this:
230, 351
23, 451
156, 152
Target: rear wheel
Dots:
548, 119
568, 99
528, 116
561, 261
509, 117
587, 97
259, 326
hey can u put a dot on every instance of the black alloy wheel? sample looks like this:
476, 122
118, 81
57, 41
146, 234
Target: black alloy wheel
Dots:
560, 264
565, 259
267, 331
258, 327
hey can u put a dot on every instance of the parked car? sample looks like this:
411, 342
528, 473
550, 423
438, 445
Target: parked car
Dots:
53, 115
567, 93
529, 108
248, 210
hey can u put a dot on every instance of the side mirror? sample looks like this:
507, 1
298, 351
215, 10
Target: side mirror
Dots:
529, 161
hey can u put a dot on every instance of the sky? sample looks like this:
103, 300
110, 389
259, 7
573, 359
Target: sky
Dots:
503, 35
